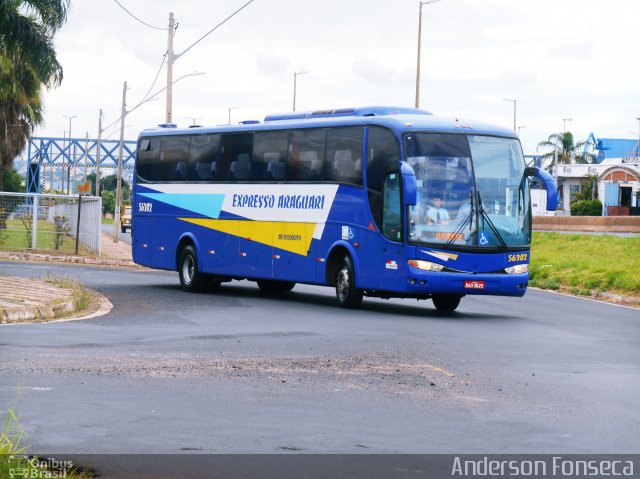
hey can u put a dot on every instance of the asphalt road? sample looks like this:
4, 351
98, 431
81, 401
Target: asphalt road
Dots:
240, 372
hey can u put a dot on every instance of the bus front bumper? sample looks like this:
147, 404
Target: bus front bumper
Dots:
422, 282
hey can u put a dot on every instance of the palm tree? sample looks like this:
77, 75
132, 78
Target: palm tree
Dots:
567, 152
27, 62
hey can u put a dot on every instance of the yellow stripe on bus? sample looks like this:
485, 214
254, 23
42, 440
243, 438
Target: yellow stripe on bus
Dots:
292, 237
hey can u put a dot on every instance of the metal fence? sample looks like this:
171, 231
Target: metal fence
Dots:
50, 222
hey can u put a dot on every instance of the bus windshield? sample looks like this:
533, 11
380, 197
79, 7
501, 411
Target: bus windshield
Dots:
472, 190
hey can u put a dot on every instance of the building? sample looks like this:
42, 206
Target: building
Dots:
617, 171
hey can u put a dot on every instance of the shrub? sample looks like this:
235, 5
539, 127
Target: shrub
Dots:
586, 208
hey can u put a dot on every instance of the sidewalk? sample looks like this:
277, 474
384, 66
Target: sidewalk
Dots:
23, 299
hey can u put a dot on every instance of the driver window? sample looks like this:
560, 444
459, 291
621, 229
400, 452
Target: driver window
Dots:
392, 208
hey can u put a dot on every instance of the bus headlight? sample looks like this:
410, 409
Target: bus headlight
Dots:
425, 265
517, 269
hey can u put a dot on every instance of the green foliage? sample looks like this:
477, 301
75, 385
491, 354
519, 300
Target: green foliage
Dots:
27, 223
61, 230
15, 462
589, 190
567, 151
585, 263
586, 208
27, 61
12, 182
108, 202
14, 238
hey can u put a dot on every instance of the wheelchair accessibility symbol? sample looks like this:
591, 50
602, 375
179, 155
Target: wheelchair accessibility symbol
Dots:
484, 238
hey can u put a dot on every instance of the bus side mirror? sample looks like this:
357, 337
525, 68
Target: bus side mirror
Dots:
549, 184
409, 186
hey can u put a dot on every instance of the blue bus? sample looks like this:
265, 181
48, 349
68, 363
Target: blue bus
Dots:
378, 201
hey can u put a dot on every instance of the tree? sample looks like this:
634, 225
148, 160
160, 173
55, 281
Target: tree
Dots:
568, 152
108, 202
110, 183
27, 62
12, 182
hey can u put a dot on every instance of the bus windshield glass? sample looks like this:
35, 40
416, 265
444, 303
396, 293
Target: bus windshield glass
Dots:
452, 208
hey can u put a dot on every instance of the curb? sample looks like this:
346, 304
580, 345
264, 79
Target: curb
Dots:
29, 300
49, 258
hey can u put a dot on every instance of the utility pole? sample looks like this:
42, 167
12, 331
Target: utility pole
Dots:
98, 153
116, 220
170, 70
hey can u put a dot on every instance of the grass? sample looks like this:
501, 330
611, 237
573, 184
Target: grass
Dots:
15, 462
107, 221
16, 238
79, 295
584, 264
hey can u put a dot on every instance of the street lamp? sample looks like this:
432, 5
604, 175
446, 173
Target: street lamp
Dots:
295, 78
193, 118
231, 108
520, 128
419, 45
564, 124
515, 101
69, 165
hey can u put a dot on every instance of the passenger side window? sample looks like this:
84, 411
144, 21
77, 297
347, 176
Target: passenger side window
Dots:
269, 156
235, 157
344, 155
147, 158
203, 158
174, 157
306, 154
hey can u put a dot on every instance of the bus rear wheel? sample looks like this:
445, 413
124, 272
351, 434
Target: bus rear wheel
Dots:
270, 286
191, 279
446, 302
346, 293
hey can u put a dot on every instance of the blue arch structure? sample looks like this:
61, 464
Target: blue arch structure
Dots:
79, 152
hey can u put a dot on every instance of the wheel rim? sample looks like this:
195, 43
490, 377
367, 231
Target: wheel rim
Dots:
342, 283
188, 269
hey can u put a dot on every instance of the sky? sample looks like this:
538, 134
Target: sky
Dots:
558, 59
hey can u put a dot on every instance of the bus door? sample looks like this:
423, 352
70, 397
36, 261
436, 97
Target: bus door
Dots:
140, 238
392, 250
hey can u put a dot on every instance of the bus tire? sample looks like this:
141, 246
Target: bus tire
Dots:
123, 229
346, 293
191, 279
270, 286
446, 302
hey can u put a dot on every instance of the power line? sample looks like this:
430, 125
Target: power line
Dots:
144, 23
214, 28
115, 122
155, 80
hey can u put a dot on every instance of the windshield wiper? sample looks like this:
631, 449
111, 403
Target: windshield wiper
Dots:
468, 219
485, 215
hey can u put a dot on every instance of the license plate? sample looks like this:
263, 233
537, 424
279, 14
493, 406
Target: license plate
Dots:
474, 284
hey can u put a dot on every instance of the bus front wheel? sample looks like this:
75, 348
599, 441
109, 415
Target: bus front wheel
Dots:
446, 302
191, 279
346, 292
